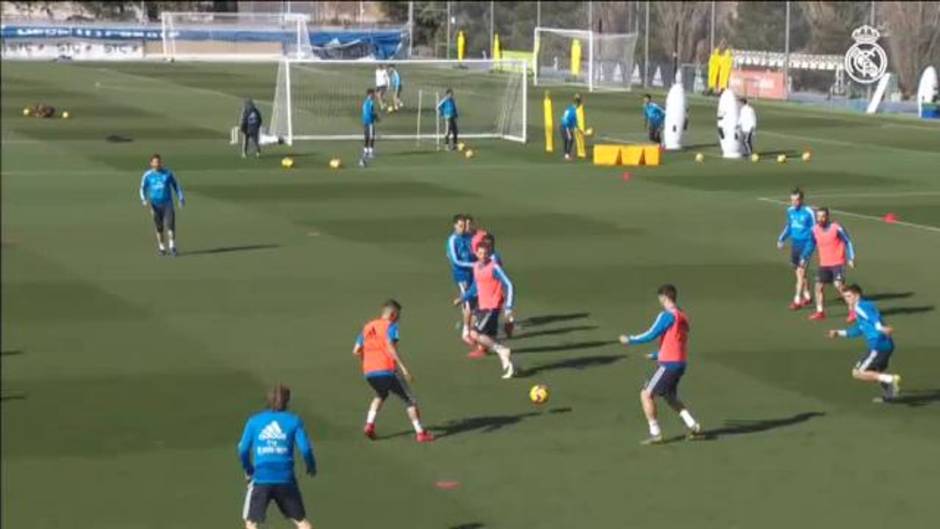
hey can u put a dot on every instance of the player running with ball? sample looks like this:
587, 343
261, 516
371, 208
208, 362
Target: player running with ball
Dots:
494, 293
872, 366
672, 328
377, 348
799, 229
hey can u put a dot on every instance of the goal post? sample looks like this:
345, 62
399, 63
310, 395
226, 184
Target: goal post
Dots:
597, 61
210, 36
322, 100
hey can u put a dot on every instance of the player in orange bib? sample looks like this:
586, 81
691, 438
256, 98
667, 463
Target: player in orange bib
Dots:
672, 329
377, 348
835, 251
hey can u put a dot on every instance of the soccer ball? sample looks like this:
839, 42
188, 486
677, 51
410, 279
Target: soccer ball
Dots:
755, 157
781, 158
699, 157
287, 162
538, 394
589, 132
461, 146
469, 153
336, 163
27, 111
65, 115
807, 155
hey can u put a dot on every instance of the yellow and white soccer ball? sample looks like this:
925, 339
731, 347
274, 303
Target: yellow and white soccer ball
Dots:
699, 157
469, 153
807, 155
27, 111
65, 114
755, 157
538, 394
461, 146
781, 158
589, 132
287, 162
336, 163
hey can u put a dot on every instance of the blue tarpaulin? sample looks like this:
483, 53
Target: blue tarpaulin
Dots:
381, 43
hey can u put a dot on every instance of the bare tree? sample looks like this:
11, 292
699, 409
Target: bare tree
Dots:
687, 19
913, 39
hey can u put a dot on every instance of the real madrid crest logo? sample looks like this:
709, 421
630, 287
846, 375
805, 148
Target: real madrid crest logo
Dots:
866, 61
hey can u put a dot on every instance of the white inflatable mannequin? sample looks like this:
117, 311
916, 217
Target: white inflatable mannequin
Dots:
926, 90
728, 133
675, 117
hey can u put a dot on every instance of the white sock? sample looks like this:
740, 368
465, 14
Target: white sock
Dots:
172, 243
370, 418
688, 419
466, 331
886, 378
796, 299
503, 353
162, 247
654, 428
417, 425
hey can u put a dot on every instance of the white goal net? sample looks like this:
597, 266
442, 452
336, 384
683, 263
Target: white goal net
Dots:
322, 100
234, 36
598, 61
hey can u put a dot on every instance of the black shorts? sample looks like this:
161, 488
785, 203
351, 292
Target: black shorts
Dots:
665, 381
385, 384
286, 496
381, 89
830, 274
451, 126
876, 360
487, 322
368, 132
163, 216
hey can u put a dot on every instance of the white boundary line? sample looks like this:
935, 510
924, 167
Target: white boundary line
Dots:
859, 215
835, 194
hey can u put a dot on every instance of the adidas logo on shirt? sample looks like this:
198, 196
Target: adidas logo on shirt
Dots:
272, 432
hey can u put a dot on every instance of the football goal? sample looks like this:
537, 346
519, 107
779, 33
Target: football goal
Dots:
322, 100
597, 61
195, 36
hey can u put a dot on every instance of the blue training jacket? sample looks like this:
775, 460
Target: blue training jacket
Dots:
158, 185
869, 324
447, 107
266, 448
368, 111
569, 119
799, 226
654, 113
461, 257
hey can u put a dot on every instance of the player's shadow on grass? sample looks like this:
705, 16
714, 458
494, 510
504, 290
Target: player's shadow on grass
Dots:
230, 249
907, 310
473, 525
740, 427
572, 346
487, 423
13, 395
536, 321
787, 153
11, 352
554, 332
582, 362
918, 398
881, 296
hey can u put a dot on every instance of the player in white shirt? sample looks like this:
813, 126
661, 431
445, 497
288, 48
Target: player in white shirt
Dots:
381, 84
747, 121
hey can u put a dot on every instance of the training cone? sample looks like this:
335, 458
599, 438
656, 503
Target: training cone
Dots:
890, 218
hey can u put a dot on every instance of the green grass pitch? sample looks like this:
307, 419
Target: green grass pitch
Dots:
126, 378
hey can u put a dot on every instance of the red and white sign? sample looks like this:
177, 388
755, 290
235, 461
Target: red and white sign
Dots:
758, 84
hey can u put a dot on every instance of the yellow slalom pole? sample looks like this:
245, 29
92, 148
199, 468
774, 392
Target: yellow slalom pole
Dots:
579, 134
549, 123
575, 58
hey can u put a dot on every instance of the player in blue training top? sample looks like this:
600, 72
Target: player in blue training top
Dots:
654, 116
868, 323
266, 451
447, 109
369, 118
394, 78
799, 229
156, 191
569, 125
461, 260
